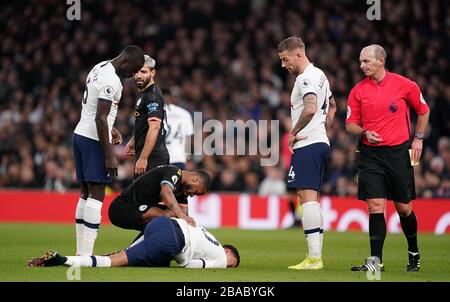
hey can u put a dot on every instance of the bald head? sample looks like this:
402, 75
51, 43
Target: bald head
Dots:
375, 51
373, 59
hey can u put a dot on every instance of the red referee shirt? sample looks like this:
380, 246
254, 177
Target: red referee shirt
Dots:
383, 107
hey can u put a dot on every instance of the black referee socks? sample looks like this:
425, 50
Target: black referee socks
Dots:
377, 233
409, 227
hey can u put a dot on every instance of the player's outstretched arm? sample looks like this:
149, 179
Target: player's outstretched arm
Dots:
200, 263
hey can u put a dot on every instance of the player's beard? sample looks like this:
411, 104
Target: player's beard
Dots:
142, 85
294, 70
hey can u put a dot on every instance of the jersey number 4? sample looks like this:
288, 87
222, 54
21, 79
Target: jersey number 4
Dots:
324, 106
171, 135
291, 173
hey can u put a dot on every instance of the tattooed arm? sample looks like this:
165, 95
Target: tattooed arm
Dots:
309, 109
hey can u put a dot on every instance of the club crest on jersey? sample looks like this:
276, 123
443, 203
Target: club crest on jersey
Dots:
138, 102
393, 107
142, 208
305, 83
109, 91
152, 107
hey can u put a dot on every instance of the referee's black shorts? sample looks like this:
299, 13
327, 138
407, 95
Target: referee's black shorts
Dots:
386, 172
126, 214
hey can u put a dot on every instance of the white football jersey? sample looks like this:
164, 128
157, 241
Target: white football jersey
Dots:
201, 250
179, 126
102, 82
314, 81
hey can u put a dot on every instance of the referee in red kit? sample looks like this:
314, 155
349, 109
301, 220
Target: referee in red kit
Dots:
378, 112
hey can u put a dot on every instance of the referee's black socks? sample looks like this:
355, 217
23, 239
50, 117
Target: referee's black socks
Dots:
377, 233
409, 227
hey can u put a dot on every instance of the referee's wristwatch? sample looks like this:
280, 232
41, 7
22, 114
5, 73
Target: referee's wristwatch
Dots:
419, 136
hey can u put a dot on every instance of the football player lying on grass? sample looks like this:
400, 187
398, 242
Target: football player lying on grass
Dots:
164, 239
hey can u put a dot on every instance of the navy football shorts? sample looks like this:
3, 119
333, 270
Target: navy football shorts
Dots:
163, 240
89, 160
307, 167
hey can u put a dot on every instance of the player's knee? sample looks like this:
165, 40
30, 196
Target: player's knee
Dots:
376, 205
113, 215
84, 191
96, 191
403, 210
125, 218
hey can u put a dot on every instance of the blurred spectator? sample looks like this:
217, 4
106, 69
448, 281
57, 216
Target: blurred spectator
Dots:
273, 183
222, 54
228, 181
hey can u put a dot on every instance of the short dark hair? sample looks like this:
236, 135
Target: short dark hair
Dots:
134, 53
291, 43
234, 251
206, 179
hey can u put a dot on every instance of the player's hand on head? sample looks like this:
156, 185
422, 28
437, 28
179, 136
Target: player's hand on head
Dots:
141, 166
111, 166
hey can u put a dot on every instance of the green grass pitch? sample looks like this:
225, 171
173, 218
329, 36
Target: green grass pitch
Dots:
265, 256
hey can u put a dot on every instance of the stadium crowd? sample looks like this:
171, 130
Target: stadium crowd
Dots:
221, 56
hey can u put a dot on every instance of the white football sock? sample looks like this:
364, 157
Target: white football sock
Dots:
89, 261
79, 224
92, 219
311, 225
321, 230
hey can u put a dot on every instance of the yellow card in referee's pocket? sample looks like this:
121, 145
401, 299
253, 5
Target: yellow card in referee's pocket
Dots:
413, 162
